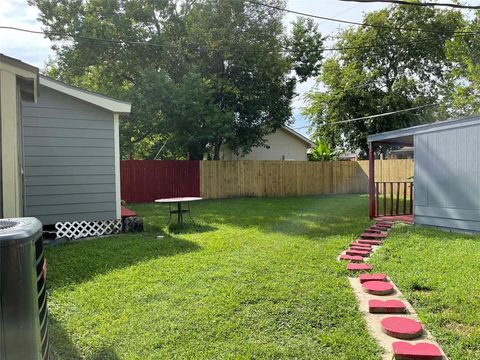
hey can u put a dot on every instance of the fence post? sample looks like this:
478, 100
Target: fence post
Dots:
371, 179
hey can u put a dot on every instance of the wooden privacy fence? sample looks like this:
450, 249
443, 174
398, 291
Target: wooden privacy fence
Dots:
224, 179
147, 180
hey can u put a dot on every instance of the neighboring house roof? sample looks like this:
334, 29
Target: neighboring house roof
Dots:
299, 136
104, 102
405, 136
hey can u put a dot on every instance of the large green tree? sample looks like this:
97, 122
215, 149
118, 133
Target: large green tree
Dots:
231, 65
383, 68
464, 87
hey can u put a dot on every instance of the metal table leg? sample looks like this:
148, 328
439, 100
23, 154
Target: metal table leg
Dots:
180, 214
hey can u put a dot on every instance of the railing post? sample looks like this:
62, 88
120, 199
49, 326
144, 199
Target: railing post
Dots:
384, 198
371, 179
398, 197
411, 198
391, 198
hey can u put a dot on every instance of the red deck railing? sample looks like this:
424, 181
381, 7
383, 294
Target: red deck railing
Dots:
393, 198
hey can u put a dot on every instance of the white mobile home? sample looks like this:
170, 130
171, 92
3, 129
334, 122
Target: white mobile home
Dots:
446, 171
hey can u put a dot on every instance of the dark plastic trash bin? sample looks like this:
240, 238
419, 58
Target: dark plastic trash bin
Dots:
23, 300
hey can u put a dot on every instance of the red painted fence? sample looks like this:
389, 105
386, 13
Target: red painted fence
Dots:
147, 180
393, 198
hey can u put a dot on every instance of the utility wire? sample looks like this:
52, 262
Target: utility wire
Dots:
371, 116
153, 44
253, 2
424, 4
340, 13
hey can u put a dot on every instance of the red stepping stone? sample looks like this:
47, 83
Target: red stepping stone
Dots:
374, 231
389, 222
420, 351
401, 327
360, 245
372, 277
360, 248
359, 267
354, 258
373, 236
357, 252
386, 306
379, 227
369, 242
388, 226
377, 287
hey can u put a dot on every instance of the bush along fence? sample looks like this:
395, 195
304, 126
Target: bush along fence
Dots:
147, 180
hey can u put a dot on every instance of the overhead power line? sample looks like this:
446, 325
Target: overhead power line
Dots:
341, 13
154, 44
424, 4
253, 2
372, 116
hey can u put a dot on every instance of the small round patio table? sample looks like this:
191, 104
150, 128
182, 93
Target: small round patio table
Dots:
179, 211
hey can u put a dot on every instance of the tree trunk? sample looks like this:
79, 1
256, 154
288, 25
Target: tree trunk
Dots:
216, 155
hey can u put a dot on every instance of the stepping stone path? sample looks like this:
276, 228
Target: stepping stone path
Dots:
361, 248
374, 231
358, 252
354, 258
359, 267
373, 236
377, 285
370, 242
401, 327
386, 306
380, 227
372, 277
366, 246
420, 351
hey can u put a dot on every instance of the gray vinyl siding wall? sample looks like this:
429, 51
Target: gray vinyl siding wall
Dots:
447, 172
69, 159
1, 174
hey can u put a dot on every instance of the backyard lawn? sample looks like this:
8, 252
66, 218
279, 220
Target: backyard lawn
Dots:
256, 279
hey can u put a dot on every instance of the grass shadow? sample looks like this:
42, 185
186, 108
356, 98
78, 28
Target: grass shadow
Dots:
62, 346
190, 228
76, 262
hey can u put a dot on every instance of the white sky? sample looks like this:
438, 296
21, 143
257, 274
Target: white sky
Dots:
35, 49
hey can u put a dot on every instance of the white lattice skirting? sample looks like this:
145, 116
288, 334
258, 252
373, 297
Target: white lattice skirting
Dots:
81, 229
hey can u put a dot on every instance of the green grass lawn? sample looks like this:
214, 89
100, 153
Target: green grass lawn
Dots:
256, 278
439, 273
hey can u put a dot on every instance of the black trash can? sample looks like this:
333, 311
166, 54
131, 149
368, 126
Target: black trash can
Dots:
23, 297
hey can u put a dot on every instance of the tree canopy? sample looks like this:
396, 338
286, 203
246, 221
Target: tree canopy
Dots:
464, 87
383, 69
200, 74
